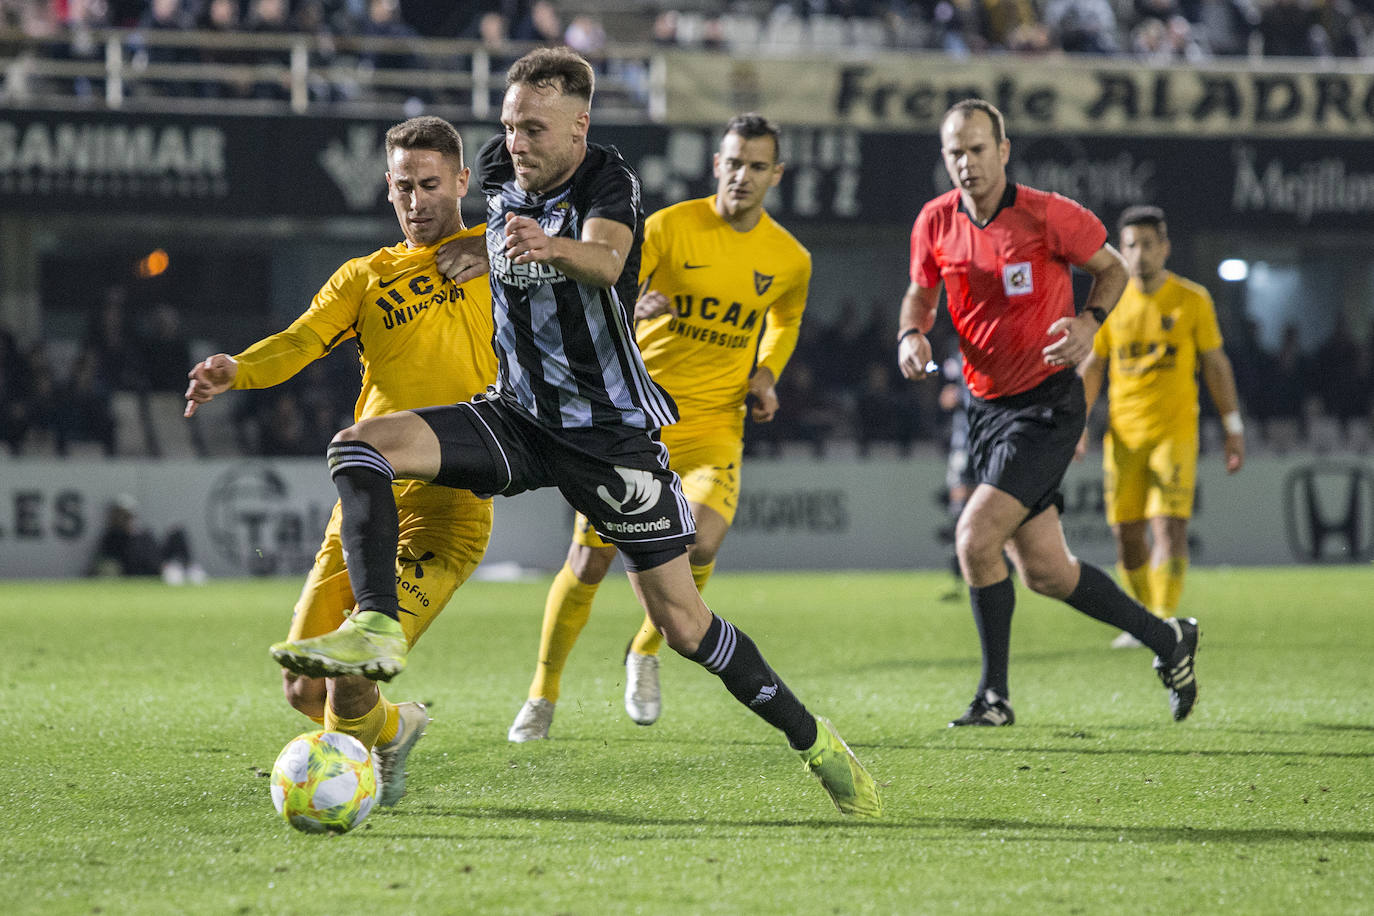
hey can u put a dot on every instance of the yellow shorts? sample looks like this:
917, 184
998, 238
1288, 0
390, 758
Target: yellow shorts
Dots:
1152, 481
709, 466
444, 533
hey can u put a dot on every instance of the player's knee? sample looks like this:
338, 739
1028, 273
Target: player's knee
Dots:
1054, 580
590, 564
974, 547
702, 554
305, 694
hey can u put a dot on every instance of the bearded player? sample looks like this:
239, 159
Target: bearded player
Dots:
722, 290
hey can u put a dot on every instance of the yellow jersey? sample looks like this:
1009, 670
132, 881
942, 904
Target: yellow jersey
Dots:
1152, 343
739, 298
423, 341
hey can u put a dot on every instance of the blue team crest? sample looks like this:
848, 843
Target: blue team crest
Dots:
762, 282
1167, 322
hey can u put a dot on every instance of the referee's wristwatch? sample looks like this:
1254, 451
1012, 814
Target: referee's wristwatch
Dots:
1098, 313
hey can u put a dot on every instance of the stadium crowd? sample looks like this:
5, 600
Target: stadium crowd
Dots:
841, 392
1150, 29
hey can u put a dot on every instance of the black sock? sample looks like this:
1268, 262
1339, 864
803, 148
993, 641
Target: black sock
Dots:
369, 530
992, 608
732, 656
1098, 596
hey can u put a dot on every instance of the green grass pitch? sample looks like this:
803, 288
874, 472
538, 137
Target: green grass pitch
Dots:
140, 722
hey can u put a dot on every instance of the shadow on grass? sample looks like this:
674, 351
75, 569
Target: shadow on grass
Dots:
1020, 829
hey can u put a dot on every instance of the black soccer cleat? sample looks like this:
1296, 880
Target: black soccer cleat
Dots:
1177, 673
987, 708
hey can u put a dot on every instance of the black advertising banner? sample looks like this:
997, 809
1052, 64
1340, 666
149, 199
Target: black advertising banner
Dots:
322, 167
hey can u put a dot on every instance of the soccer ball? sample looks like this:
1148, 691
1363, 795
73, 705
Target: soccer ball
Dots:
323, 782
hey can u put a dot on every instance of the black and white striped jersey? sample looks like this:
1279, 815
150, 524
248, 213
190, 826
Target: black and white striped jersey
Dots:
567, 349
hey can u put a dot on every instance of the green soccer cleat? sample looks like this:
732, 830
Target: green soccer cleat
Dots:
369, 644
832, 762
391, 757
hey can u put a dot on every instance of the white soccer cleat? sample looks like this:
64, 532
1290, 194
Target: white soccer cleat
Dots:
643, 700
532, 722
390, 758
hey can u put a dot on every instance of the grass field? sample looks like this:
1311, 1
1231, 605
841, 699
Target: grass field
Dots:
141, 722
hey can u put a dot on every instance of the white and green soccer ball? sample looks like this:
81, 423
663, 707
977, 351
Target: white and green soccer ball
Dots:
323, 782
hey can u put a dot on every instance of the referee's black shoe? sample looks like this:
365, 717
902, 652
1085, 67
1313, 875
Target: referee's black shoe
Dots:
987, 708
1177, 673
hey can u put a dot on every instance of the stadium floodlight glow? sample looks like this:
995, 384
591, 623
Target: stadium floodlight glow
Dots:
1233, 270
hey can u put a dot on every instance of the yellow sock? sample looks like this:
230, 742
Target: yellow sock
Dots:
365, 728
392, 724
1138, 580
318, 720
565, 614
1166, 585
649, 641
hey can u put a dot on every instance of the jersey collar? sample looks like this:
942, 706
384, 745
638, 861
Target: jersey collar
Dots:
1008, 200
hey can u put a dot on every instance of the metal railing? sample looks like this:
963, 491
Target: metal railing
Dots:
296, 73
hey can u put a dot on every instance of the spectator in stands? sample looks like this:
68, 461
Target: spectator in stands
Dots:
222, 17
1289, 28
1227, 27
160, 16
543, 24
166, 352
384, 21
43, 400
109, 344
1283, 392
585, 35
86, 413
1083, 26
1339, 377
286, 429
14, 401
128, 548
885, 412
267, 18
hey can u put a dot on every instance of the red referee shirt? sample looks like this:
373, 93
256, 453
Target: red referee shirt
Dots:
1005, 282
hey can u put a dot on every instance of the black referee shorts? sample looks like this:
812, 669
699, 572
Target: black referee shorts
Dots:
618, 477
1022, 444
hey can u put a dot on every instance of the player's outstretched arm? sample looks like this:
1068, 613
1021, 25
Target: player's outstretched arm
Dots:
1092, 370
213, 375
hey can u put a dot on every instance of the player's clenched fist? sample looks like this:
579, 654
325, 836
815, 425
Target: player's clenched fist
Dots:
526, 240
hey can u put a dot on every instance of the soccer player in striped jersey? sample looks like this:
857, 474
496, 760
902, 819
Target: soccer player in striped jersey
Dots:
1003, 253
573, 407
723, 290
409, 320
1150, 349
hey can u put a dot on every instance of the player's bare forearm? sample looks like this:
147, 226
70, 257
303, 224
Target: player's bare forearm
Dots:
1110, 276
1092, 369
1221, 385
918, 309
914, 321
763, 395
597, 258
1220, 380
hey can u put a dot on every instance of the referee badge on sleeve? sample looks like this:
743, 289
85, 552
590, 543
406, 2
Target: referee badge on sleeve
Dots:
1016, 279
